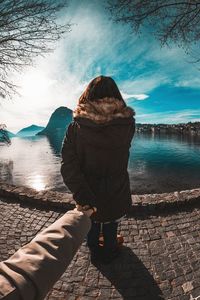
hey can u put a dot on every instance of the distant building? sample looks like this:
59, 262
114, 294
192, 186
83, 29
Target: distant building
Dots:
192, 128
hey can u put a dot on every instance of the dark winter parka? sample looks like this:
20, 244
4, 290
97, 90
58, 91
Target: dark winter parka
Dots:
95, 156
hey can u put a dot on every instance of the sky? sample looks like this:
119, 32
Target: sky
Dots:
160, 83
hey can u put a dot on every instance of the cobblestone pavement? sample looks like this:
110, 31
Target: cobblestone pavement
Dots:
160, 258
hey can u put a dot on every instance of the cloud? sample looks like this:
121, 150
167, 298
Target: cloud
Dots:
97, 46
143, 84
190, 82
134, 96
170, 117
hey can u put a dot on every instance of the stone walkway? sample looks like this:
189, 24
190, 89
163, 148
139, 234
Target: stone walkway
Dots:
160, 258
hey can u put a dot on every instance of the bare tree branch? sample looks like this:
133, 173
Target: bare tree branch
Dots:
28, 28
171, 21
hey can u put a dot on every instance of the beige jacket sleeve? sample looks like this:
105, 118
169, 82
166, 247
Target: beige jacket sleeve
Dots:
35, 267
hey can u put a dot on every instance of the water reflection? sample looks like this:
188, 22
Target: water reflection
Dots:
6, 170
158, 163
55, 142
37, 182
193, 140
34, 163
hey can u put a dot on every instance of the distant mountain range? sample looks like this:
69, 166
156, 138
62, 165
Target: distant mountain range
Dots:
29, 131
56, 126
62, 117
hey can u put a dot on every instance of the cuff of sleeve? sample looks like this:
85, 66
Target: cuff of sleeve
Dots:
24, 286
84, 197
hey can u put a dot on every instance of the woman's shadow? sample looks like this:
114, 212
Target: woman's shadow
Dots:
130, 277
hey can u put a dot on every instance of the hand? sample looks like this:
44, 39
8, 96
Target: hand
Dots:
81, 208
86, 209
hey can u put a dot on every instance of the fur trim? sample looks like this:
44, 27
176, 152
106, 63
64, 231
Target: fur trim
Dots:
103, 110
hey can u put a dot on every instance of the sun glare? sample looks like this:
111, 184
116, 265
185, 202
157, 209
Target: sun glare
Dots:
34, 84
37, 182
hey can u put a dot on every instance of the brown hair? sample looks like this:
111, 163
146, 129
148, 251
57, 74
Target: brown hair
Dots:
99, 88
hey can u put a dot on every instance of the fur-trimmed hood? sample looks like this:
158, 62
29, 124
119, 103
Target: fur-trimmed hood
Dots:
103, 110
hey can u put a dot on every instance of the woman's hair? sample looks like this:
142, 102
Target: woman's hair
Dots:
99, 88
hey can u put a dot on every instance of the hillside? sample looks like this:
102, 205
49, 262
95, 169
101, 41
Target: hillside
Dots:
58, 122
29, 131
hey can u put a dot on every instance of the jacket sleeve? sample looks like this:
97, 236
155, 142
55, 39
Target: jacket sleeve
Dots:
34, 268
71, 172
7, 289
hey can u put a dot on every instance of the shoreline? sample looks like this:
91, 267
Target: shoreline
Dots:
60, 200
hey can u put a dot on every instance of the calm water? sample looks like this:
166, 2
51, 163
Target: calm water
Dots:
159, 163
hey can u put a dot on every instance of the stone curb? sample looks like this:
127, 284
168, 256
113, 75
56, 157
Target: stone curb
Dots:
166, 201
150, 202
41, 198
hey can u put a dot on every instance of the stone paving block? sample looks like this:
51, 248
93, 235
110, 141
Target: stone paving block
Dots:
187, 286
160, 253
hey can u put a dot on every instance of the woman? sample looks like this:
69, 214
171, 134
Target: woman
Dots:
95, 156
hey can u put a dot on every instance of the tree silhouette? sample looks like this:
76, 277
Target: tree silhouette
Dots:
4, 137
171, 21
28, 28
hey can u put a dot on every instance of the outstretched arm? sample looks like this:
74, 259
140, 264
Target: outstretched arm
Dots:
32, 271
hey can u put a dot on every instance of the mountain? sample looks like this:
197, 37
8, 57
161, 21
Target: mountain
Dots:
10, 134
58, 122
29, 131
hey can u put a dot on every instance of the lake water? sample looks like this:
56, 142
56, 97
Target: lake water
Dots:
158, 163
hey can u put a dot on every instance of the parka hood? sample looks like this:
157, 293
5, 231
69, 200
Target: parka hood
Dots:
103, 110
105, 123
